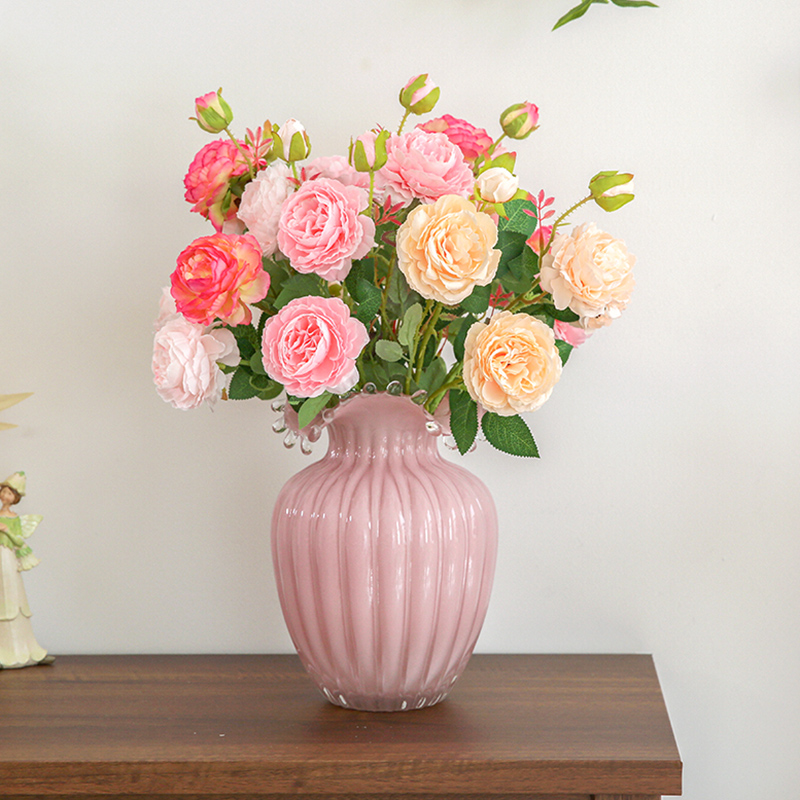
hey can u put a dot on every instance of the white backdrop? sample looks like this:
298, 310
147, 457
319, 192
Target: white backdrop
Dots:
662, 517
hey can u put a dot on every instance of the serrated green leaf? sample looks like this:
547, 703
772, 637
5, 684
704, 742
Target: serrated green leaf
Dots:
388, 350
369, 300
241, 388
298, 286
311, 408
478, 302
564, 349
272, 391
458, 342
434, 375
261, 383
509, 434
463, 419
409, 326
257, 363
517, 220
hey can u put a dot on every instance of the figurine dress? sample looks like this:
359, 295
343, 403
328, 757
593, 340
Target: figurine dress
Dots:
18, 646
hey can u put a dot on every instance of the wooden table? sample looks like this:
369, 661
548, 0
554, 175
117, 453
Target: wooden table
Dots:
570, 727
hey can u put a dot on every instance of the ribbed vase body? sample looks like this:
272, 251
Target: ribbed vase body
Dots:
384, 557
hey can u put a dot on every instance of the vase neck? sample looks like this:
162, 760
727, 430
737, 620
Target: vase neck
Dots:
378, 425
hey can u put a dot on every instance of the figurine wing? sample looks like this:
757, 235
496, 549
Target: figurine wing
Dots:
29, 522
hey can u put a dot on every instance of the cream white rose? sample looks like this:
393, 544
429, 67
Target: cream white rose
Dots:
511, 364
497, 185
445, 249
590, 273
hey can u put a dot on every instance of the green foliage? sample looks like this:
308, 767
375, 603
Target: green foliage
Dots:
298, 286
388, 350
516, 219
478, 302
463, 419
311, 408
509, 434
564, 349
583, 7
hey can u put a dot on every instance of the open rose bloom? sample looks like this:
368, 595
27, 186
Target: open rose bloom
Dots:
410, 261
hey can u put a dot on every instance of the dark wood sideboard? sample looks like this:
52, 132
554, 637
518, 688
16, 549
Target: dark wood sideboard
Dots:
240, 727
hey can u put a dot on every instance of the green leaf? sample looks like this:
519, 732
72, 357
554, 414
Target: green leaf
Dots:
409, 326
311, 408
477, 303
298, 286
388, 350
517, 220
257, 363
369, 300
509, 434
564, 349
241, 388
633, 3
434, 375
463, 419
458, 342
576, 12
273, 390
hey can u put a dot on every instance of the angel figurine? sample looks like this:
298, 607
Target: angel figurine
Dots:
18, 646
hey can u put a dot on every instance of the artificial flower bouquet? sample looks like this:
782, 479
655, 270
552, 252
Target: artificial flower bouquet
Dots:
412, 262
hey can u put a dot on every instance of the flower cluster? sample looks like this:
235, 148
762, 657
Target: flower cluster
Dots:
414, 261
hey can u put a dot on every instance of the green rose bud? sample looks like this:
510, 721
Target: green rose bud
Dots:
369, 151
213, 113
419, 95
612, 190
520, 120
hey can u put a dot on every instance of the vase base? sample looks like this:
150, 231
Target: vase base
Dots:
389, 702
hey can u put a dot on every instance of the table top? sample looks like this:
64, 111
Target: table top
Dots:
544, 725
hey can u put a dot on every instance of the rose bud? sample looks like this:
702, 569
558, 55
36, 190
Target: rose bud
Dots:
497, 185
419, 95
611, 190
291, 141
213, 113
520, 120
369, 151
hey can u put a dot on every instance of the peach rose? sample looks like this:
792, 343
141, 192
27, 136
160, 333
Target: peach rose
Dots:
425, 165
445, 249
591, 273
321, 228
311, 346
185, 360
511, 364
217, 276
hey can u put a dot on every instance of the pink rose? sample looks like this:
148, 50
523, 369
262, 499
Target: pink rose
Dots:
209, 177
321, 229
571, 334
262, 201
473, 142
217, 276
425, 165
185, 362
338, 168
311, 346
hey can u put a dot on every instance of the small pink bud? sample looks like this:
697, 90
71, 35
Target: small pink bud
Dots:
213, 113
419, 95
520, 120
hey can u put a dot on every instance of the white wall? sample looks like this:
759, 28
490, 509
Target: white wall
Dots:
662, 516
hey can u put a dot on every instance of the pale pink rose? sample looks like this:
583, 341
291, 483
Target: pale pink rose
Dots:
311, 346
426, 166
445, 249
590, 273
511, 364
166, 307
497, 185
321, 229
262, 201
571, 334
294, 140
217, 276
339, 169
185, 360
471, 141
209, 177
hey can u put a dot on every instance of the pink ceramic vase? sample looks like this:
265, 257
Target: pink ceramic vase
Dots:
384, 556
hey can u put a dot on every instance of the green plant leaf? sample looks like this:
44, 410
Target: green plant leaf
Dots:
298, 286
311, 408
241, 388
434, 375
388, 350
478, 302
409, 326
517, 220
564, 349
463, 419
458, 342
369, 300
509, 434
633, 3
257, 363
576, 12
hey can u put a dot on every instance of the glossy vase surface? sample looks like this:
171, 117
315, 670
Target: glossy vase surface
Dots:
384, 556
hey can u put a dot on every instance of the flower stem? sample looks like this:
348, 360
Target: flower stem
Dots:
429, 330
244, 155
403, 121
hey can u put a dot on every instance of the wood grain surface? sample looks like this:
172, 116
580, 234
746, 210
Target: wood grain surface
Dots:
546, 726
